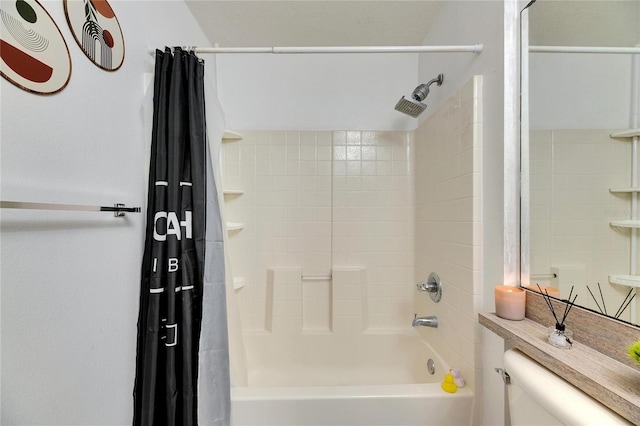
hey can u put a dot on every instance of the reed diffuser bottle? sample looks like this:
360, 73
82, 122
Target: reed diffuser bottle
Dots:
558, 335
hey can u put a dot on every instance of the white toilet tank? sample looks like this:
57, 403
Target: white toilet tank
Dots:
539, 397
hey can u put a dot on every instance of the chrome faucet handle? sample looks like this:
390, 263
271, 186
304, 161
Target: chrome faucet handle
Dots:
433, 286
429, 287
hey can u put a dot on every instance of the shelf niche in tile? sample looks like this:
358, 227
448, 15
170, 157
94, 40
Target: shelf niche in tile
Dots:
626, 223
624, 190
235, 226
630, 133
238, 283
231, 136
626, 280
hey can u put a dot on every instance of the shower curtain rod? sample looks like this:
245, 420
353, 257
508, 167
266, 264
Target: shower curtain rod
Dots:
583, 49
474, 48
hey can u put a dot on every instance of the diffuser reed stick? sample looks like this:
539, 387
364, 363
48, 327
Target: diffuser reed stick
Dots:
594, 299
623, 306
625, 303
602, 297
547, 298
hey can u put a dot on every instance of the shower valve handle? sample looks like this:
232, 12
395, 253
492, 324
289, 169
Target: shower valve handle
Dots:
429, 287
433, 286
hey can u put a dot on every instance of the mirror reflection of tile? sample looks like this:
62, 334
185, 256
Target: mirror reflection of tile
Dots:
582, 187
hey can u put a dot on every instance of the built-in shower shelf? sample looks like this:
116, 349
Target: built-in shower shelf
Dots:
624, 190
626, 223
626, 133
235, 226
234, 192
238, 283
230, 135
626, 280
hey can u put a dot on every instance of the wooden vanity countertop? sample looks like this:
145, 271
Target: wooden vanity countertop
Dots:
611, 382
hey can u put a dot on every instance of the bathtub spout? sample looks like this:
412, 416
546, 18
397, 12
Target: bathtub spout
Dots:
431, 321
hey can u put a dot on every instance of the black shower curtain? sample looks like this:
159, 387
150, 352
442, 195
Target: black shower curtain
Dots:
169, 320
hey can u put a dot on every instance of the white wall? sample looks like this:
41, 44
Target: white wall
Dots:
316, 92
487, 22
579, 91
70, 281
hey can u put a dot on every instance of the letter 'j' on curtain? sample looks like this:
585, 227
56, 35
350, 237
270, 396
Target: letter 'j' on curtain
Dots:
181, 267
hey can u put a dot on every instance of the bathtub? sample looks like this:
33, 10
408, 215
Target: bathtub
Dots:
324, 379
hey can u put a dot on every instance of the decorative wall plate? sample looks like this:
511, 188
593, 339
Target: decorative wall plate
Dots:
97, 31
33, 53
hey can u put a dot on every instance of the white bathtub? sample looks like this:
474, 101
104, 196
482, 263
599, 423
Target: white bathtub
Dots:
322, 379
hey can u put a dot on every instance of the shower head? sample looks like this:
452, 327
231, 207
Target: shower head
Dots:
414, 107
410, 107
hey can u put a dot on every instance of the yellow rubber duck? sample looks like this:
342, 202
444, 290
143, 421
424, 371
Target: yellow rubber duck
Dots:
448, 385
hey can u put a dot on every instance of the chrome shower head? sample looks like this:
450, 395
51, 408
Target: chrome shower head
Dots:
414, 107
410, 107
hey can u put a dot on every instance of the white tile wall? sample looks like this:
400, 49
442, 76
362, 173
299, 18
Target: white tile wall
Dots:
323, 202
448, 225
349, 300
373, 221
571, 208
284, 300
286, 209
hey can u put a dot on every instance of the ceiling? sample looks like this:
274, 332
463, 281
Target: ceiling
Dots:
585, 23
243, 23
266, 23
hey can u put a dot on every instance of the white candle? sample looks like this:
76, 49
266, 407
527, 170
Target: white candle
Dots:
510, 302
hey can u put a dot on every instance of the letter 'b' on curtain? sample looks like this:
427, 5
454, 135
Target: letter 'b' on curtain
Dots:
173, 266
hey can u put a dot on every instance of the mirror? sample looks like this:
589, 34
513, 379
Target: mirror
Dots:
580, 215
